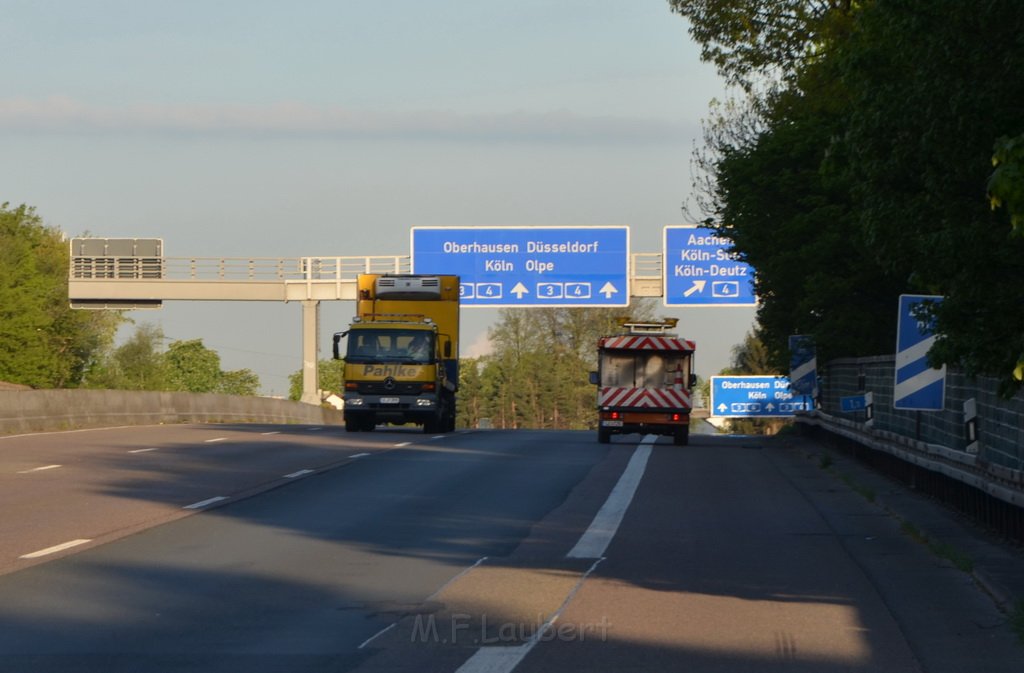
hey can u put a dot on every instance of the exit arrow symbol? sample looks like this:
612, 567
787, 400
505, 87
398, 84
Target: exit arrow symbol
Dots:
608, 290
519, 290
698, 286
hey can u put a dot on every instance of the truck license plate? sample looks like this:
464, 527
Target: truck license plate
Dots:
612, 424
389, 400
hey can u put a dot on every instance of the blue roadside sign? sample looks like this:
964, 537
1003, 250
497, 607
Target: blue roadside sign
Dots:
853, 402
755, 397
918, 386
529, 266
700, 271
803, 364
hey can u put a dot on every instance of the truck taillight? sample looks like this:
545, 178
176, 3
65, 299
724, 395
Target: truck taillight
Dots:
615, 415
677, 417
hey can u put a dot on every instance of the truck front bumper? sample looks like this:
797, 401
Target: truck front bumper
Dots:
392, 408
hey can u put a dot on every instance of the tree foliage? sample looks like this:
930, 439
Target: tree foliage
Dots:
43, 342
748, 40
142, 363
330, 372
868, 169
537, 374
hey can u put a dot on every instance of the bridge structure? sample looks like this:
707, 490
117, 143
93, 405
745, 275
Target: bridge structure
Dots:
128, 274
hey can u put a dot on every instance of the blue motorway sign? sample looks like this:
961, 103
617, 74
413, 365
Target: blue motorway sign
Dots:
918, 386
755, 397
854, 402
803, 364
700, 270
529, 266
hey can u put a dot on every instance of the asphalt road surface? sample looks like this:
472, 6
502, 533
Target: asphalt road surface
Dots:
293, 548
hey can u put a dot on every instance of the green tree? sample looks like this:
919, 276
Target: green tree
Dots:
192, 367
331, 374
43, 342
239, 382
930, 85
864, 173
138, 364
750, 40
1006, 184
537, 374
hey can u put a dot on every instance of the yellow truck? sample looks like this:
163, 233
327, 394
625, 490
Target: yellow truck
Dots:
402, 353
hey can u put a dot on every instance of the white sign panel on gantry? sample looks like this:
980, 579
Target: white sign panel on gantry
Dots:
528, 266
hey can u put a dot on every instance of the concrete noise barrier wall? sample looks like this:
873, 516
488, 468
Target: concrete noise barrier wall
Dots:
48, 410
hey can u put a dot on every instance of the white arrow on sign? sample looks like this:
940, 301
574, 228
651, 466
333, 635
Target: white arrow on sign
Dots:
519, 290
722, 407
770, 407
698, 286
608, 290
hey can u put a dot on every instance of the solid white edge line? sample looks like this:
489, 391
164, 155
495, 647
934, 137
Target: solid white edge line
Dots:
275, 432
402, 444
54, 549
142, 450
300, 473
203, 503
39, 469
359, 455
505, 659
313, 429
377, 635
215, 439
594, 542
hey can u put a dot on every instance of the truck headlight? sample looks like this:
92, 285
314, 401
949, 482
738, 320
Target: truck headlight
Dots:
424, 403
354, 402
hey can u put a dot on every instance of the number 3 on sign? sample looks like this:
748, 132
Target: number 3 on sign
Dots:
549, 290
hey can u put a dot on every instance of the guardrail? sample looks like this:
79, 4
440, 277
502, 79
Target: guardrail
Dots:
974, 462
24, 411
234, 268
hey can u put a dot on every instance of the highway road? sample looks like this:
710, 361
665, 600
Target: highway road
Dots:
295, 548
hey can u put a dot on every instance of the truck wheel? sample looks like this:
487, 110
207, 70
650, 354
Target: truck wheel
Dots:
681, 436
604, 436
352, 424
368, 424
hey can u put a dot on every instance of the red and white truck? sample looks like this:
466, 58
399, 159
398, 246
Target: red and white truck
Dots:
644, 381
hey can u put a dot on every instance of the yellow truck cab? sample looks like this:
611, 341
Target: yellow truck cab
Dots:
401, 359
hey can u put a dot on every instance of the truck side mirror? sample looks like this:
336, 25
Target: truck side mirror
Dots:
447, 349
594, 379
337, 338
693, 380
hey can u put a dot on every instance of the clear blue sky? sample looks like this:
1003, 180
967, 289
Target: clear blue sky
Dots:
268, 128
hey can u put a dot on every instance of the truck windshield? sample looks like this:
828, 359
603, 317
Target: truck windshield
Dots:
390, 345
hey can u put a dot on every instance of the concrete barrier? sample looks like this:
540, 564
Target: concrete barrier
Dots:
48, 410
